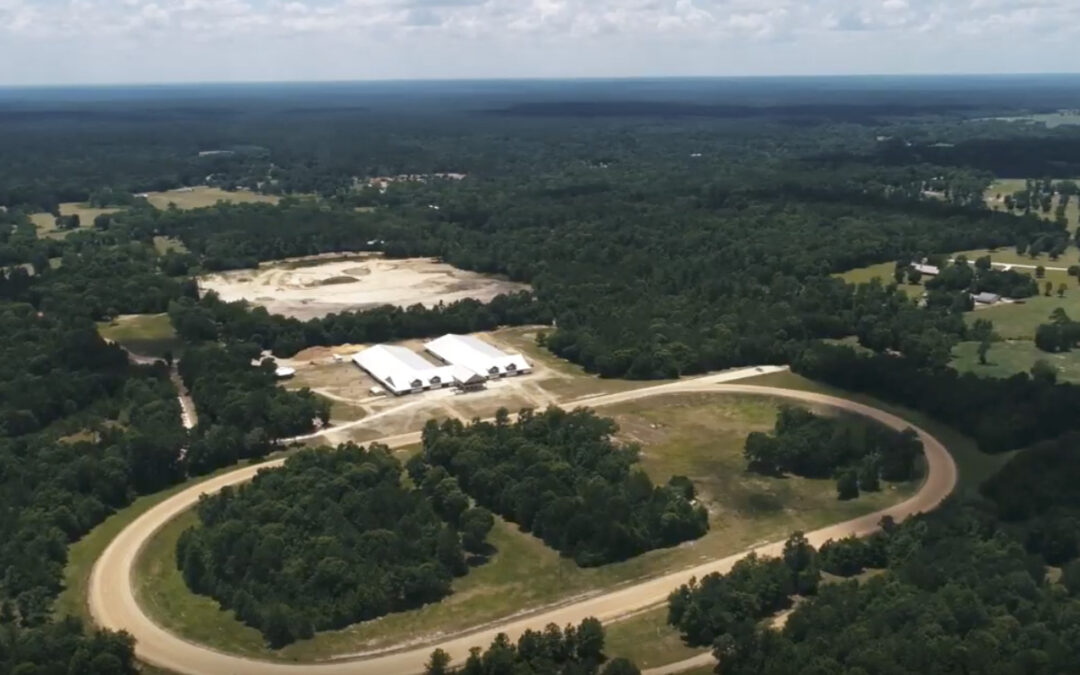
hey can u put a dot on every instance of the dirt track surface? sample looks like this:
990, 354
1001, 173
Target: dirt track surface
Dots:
113, 605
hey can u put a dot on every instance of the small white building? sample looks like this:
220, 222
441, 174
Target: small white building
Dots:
477, 356
926, 270
985, 298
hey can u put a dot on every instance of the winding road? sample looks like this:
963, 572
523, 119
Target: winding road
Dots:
113, 605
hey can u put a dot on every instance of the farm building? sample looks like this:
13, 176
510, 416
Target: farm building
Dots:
401, 370
927, 270
985, 298
477, 356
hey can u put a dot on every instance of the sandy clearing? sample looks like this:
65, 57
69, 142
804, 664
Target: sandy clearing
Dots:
113, 605
321, 288
202, 196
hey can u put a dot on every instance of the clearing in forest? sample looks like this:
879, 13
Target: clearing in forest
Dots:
307, 289
46, 222
202, 196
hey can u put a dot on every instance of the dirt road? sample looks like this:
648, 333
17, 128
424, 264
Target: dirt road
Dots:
112, 601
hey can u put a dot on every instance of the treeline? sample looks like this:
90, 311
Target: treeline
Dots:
981, 277
51, 367
1061, 334
232, 236
567, 651
330, 539
98, 277
82, 433
1035, 493
717, 605
560, 476
63, 647
241, 409
212, 319
859, 454
1000, 414
952, 582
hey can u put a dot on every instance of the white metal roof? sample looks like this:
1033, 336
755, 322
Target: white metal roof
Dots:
476, 355
400, 369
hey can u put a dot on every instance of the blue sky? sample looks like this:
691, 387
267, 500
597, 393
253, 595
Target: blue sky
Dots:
136, 41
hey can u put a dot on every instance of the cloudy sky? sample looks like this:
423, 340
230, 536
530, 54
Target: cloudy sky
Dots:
149, 41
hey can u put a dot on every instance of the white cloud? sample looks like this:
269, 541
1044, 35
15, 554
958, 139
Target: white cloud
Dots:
125, 40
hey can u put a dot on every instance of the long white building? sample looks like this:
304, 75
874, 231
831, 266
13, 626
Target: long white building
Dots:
477, 356
401, 371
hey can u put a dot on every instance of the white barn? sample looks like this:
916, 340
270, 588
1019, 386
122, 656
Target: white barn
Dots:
402, 371
476, 355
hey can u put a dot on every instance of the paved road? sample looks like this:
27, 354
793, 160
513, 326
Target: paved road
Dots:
112, 601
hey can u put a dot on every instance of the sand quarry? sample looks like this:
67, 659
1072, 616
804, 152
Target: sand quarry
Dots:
315, 287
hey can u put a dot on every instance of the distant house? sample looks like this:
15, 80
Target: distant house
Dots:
985, 298
926, 270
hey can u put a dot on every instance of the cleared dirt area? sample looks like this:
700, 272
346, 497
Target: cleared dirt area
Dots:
330, 373
203, 196
315, 288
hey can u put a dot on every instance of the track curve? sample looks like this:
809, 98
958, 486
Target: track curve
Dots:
113, 605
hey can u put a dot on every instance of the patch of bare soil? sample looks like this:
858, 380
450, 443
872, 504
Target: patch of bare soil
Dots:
320, 287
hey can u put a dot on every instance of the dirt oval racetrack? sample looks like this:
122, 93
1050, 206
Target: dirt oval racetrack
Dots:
113, 605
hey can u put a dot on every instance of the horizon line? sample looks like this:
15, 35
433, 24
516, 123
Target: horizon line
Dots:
527, 78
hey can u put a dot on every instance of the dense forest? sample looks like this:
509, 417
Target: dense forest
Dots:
560, 476
574, 650
330, 539
952, 582
859, 454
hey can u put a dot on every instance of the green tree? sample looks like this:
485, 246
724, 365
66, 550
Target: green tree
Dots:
869, 472
438, 663
449, 552
1042, 371
847, 485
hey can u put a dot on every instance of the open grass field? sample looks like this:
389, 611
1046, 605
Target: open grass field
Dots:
647, 640
203, 196
1009, 256
143, 334
699, 435
46, 222
883, 271
1018, 321
1016, 356
996, 193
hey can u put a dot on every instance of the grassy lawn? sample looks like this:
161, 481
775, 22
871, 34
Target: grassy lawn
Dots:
699, 435
999, 189
144, 334
647, 640
1018, 321
883, 271
46, 222
565, 380
1009, 358
203, 196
